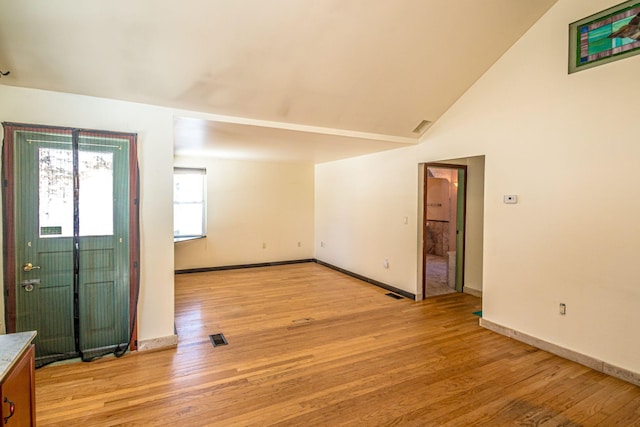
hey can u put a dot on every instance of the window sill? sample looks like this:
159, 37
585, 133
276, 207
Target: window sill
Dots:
187, 238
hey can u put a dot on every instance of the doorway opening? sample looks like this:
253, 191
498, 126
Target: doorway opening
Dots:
444, 219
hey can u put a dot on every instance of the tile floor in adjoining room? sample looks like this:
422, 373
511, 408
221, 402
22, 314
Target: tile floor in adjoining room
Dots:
437, 277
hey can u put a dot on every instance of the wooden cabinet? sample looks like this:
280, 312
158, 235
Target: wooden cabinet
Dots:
17, 393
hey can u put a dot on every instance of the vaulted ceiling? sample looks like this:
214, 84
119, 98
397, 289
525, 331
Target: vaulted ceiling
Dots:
310, 80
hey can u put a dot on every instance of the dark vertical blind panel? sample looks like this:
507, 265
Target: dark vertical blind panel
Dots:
76, 244
8, 231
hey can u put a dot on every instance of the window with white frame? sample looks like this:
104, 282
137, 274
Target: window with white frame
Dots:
189, 203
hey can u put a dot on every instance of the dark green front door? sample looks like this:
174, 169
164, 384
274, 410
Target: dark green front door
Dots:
72, 240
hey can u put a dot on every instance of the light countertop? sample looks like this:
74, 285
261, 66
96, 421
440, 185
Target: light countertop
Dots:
11, 348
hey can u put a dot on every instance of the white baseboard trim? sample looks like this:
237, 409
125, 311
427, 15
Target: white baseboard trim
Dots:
160, 343
583, 359
471, 291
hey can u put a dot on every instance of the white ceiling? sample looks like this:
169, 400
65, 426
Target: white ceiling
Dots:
310, 80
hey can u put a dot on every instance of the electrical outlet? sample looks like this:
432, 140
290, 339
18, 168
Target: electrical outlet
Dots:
386, 263
510, 199
563, 309
299, 244
264, 246
322, 244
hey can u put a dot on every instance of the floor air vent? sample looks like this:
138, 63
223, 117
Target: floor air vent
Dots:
394, 296
218, 339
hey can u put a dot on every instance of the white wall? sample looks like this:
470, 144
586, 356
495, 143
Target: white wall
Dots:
474, 232
361, 204
154, 127
567, 145
251, 204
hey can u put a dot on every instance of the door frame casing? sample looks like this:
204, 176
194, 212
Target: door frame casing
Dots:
8, 225
424, 219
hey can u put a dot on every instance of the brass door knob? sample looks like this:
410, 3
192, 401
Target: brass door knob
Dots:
28, 267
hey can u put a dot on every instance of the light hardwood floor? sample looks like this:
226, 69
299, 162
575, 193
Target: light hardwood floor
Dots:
309, 346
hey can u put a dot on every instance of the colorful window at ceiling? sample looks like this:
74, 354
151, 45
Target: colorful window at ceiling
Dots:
607, 36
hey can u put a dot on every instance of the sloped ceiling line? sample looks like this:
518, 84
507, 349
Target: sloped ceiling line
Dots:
372, 67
